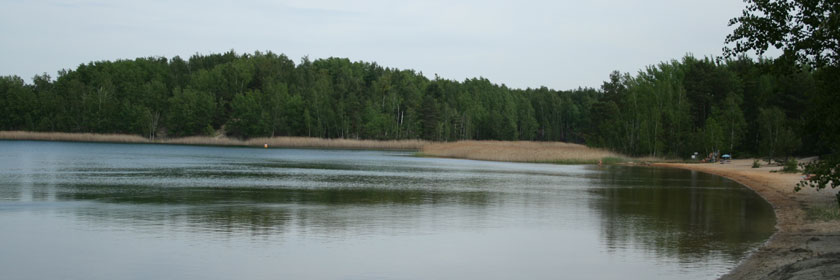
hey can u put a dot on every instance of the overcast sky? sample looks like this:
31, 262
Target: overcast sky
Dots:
558, 44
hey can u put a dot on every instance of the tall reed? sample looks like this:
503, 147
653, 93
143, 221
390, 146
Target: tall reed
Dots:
280, 142
78, 137
518, 151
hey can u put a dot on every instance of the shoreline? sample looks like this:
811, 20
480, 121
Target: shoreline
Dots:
490, 150
272, 142
800, 248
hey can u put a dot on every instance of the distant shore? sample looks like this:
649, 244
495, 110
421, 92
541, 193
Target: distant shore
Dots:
512, 151
272, 142
801, 248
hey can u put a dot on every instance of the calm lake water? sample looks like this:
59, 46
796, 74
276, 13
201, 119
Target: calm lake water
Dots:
122, 211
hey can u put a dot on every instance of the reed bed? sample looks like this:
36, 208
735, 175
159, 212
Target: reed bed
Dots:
203, 140
300, 142
274, 142
76, 137
514, 151
521, 151
309, 142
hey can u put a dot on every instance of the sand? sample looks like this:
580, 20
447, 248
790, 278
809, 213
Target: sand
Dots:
800, 248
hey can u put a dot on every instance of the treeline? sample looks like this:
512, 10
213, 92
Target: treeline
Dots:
265, 94
740, 106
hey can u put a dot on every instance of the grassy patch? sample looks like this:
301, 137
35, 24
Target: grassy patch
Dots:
614, 160
823, 213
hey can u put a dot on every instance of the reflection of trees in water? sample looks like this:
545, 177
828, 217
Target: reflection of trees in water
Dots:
9, 192
261, 211
319, 196
227, 219
26, 191
673, 214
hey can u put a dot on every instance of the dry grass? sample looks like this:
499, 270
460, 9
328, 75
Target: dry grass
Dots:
300, 142
280, 142
309, 142
516, 151
76, 137
519, 151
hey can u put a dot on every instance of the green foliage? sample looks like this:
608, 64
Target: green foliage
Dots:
825, 122
712, 135
18, 104
671, 109
807, 33
613, 160
209, 131
756, 164
822, 173
190, 112
732, 123
430, 117
264, 94
790, 166
248, 116
778, 139
806, 30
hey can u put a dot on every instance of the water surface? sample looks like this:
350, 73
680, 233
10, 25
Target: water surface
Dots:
125, 211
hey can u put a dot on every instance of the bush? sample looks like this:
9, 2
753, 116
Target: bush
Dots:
613, 160
756, 164
790, 166
209, 131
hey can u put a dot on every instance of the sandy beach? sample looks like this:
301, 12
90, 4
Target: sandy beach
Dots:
800, 248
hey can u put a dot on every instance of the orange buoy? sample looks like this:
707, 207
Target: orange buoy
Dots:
266, 146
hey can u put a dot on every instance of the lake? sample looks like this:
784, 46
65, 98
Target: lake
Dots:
134, 211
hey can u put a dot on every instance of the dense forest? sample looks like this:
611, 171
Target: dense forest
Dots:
740, 106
